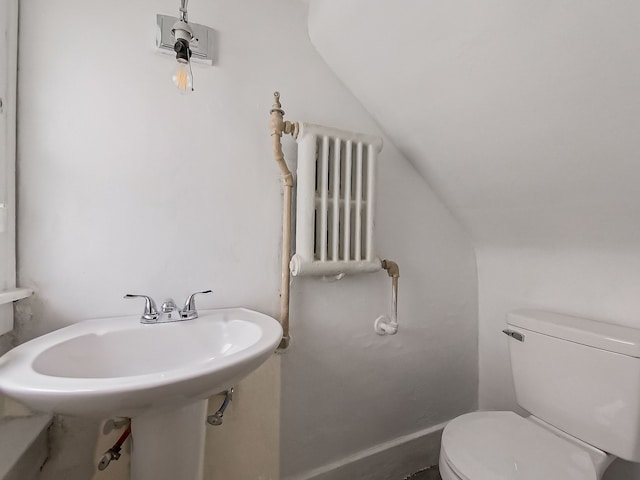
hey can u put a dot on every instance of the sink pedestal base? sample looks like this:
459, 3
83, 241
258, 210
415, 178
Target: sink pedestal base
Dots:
169, 444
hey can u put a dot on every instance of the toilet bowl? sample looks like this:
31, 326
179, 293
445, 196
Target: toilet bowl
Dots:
580, 381
504, 445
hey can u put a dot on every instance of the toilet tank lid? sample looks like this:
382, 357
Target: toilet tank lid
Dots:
605, 336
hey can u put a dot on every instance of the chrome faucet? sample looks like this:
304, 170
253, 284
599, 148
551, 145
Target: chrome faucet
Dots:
169, 310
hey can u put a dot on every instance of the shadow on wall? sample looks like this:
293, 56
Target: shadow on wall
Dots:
63, 461
622, 470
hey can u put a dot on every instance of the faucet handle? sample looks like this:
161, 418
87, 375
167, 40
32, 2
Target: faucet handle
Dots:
150, 314
189, 311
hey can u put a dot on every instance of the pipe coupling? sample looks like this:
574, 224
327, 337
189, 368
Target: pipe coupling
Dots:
391, 267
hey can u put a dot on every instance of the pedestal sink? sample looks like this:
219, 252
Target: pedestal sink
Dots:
159, 375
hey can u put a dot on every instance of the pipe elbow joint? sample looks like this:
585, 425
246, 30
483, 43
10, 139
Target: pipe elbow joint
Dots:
284, 343
287, 179
392, 268
291, 128
385, 326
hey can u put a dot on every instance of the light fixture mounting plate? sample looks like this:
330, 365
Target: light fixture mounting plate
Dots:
202, 44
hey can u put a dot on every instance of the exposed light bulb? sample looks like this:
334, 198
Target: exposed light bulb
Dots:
182, 77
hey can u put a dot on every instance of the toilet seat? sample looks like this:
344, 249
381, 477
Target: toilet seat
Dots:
506, 446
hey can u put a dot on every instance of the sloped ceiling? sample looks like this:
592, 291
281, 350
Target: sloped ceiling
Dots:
524, 116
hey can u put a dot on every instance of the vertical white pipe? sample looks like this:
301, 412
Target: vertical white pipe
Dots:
358, 225
324, 193
347, 201
336, 201
371, 185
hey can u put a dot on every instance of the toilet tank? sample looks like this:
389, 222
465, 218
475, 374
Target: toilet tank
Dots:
581, 376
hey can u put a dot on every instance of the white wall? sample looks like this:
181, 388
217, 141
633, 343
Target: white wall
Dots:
524, 117
8, 95
598, 284
346, 389
126, 186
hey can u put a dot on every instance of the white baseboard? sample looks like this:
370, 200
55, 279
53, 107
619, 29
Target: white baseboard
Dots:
395, 459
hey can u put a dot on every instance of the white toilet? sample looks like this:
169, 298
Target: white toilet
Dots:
580, 380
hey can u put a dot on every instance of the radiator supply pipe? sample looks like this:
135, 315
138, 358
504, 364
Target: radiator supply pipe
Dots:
383, 325
278, 127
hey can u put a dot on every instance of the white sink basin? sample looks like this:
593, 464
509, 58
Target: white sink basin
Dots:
118, 366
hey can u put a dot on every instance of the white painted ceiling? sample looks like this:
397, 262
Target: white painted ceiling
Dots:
524, 116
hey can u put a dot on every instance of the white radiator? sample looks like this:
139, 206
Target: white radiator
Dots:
336, 180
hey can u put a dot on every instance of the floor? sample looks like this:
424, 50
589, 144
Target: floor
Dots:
429, 474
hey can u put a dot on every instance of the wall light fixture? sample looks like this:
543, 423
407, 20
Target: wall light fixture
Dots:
183, 76
187, 42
